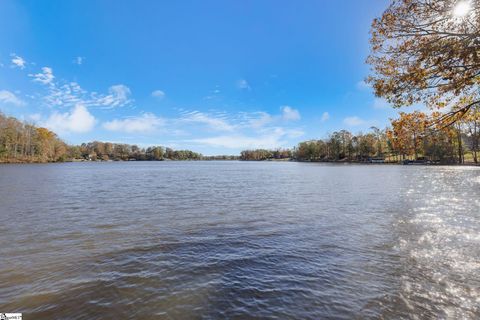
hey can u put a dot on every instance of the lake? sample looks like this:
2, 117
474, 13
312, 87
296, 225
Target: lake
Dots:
238, 240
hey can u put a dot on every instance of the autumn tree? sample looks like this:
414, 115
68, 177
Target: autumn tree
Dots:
154, 153
428, 51
408, 131
23, 142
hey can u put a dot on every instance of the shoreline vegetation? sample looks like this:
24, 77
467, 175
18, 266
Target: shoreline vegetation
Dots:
22, 142
411, 140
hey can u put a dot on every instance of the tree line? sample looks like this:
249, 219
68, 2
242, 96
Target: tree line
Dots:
412, 136
264, 154
105, 151
24, 142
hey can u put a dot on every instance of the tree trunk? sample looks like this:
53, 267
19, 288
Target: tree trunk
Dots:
475, 143
460, 146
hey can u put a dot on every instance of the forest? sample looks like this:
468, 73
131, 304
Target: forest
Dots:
23, 142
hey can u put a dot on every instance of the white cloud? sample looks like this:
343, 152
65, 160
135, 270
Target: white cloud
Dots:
243, 84
70, 94
45, 77
79, 60
271, 138
325, 116
380, 104
8, 97
118, 97
159, 94
244, 130
215, 122
353, 121
240, 142
66, 95
259, 119
146, 123
290, 114
18, 62
78, 120
220, 121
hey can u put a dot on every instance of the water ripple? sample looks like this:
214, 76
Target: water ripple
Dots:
217, 240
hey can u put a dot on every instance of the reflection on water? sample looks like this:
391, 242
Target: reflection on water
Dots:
179, 240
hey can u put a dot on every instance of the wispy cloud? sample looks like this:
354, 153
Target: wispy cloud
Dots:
45, 77
247, 130
66, 95
118, 96
146, 123
17, 61
78, 60
271, 138
325, 116
239, 142
214, 122
78, 120
70, 94
354, 121
159, 94
221, 121
243, 84
259, 119
290, 114
7, 97
213, 129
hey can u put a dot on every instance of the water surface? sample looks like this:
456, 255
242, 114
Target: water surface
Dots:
214, 240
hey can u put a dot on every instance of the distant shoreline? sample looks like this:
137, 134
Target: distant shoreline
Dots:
469, 164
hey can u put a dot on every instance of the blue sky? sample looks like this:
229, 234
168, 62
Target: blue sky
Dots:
212, 76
